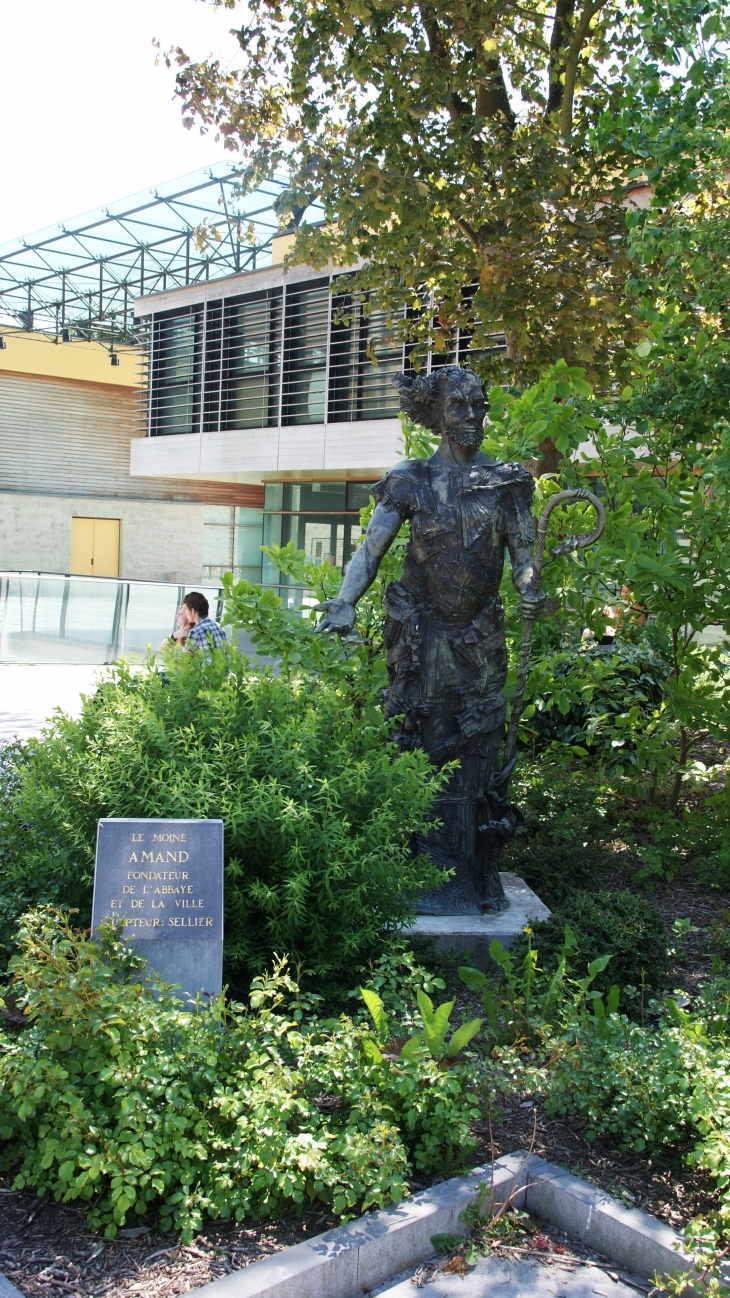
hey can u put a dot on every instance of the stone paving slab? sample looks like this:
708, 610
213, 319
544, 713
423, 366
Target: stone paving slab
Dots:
497, 1277
29, 693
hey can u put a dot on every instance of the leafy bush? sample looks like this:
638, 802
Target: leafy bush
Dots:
122, 1102
619, 924
568, 808
632, 1083
526, 1001
318, 805
580, 695
652, 1086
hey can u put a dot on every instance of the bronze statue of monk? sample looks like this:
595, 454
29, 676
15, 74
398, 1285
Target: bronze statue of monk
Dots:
444, 634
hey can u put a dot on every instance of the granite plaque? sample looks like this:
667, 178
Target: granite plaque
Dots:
165, 877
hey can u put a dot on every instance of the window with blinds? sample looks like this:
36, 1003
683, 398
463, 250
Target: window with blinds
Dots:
364, 357
176, 364
237, 363
306, 329
251, 361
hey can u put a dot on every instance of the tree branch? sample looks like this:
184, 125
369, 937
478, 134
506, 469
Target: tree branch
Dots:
492, 99
571, 65
469, 231
559, 38
437, 48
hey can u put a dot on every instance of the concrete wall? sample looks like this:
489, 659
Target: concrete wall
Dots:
159, 540
253, 455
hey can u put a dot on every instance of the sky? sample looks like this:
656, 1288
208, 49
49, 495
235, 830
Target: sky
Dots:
86, 115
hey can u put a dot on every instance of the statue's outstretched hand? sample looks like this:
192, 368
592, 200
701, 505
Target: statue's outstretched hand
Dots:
532, 603
340, 616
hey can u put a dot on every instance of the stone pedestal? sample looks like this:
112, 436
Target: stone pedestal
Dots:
472, 934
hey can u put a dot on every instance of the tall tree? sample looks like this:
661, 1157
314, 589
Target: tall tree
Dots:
462, 143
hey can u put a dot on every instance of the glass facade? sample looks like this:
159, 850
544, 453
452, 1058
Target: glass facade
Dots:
291, 355
321, 518
232, 541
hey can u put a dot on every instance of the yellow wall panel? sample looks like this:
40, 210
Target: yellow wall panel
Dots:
82, 360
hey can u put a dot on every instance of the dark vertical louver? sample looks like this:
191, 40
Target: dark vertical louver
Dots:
363, 359
212, 366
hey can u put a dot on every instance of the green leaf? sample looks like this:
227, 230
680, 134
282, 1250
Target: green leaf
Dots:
425, 1005
597, 966
447, 1242
474, 978
377, 1013
613, 998
463, 1036
644, 348
434, 1033
490, 1005
371, 1052
410, 1045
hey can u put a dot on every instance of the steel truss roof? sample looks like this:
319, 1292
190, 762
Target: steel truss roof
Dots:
80, 278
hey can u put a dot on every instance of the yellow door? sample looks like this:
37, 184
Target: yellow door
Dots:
106, 547
95, 547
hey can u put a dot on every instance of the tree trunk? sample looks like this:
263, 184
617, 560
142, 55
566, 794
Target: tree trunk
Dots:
548, 460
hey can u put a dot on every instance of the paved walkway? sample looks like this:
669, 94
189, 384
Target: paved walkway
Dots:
29, 694
496, 1277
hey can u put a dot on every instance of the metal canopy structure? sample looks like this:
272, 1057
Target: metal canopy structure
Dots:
80, 278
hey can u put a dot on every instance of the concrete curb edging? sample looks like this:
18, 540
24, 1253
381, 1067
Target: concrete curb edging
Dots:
628, 1236
364, 1252
7, 1288
367, 1252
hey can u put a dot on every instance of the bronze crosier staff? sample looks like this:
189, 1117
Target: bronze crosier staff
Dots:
501, 780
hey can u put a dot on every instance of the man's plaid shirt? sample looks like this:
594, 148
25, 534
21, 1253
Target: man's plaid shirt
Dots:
205, 634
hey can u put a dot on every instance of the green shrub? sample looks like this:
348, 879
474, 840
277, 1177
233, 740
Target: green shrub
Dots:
631, 1083
124, 1102
577, 694
619, 924
568, 809
317, 804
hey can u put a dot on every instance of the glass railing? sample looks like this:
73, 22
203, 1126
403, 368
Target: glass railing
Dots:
47, 618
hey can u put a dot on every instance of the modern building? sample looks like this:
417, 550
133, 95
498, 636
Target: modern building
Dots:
72, 369
172, 397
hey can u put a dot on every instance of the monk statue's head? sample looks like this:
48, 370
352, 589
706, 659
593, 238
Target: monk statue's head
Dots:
450, 400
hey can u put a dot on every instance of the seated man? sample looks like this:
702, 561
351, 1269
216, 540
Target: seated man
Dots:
203, 632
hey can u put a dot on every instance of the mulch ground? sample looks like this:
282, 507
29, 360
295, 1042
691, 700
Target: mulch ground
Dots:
47, 1249
655, 1183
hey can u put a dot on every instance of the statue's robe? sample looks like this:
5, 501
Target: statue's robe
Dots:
446, 653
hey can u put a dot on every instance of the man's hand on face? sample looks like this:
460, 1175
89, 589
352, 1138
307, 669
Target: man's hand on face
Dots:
340, 616
532, 603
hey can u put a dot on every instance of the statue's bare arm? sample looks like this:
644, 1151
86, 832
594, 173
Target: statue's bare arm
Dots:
382, 530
